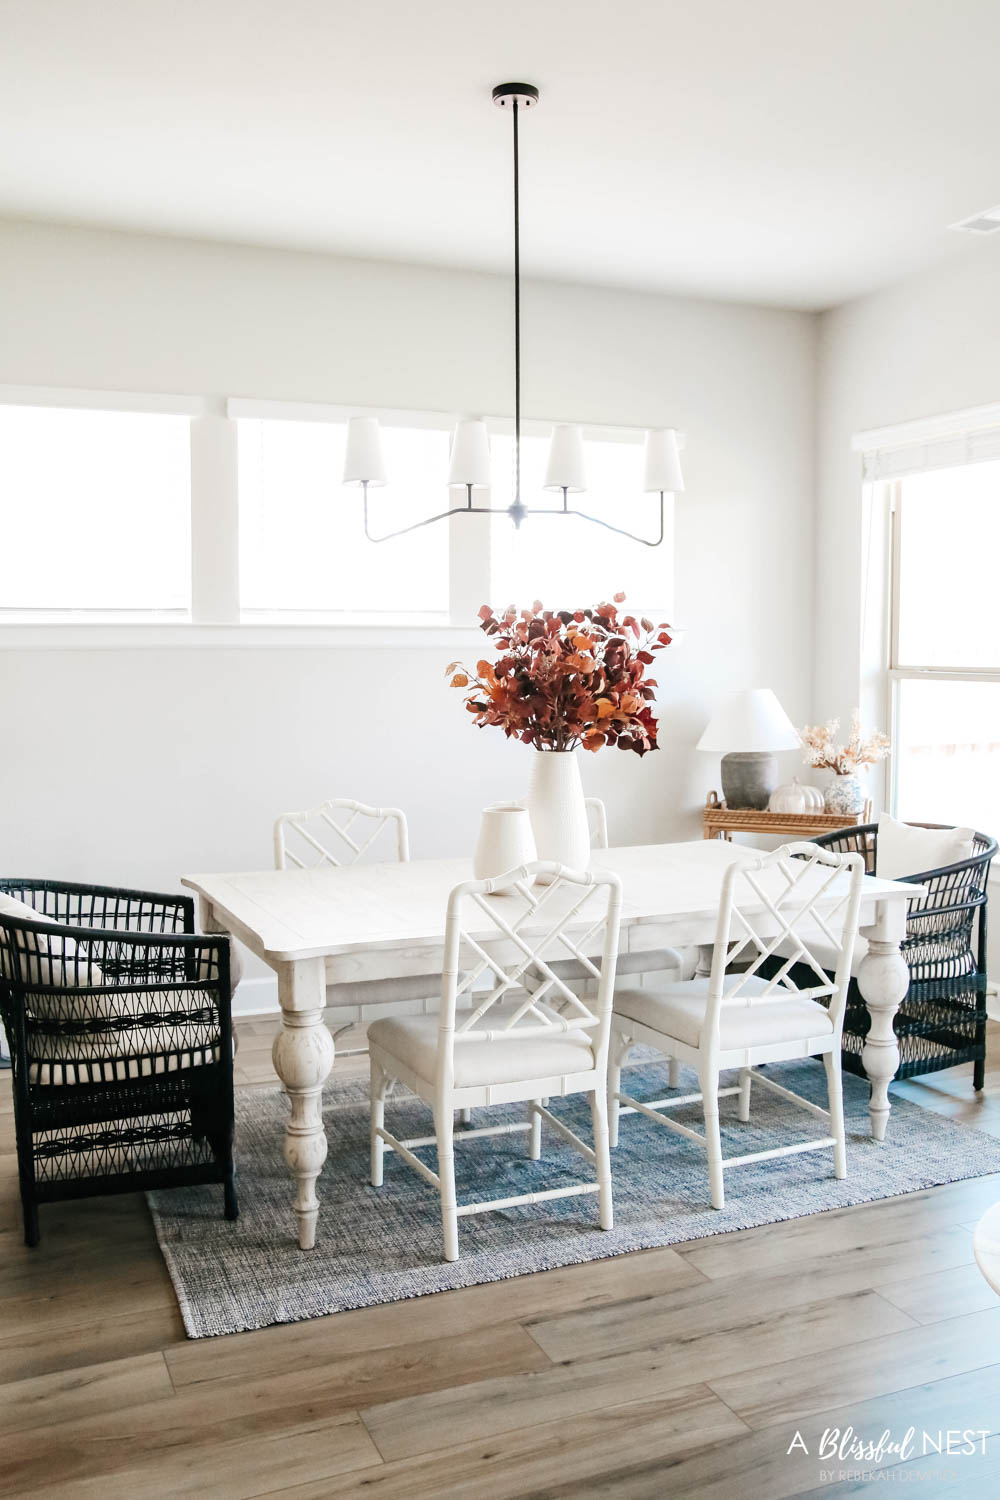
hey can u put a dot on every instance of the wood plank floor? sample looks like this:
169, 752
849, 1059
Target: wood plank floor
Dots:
678, 1372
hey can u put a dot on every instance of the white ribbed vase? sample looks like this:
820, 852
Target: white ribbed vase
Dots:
556, 805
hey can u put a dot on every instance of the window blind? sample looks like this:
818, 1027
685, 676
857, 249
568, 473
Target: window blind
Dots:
945, 442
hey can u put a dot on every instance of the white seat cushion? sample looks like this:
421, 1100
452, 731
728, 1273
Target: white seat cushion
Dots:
395, 989
825, 953
678, 1010
653, 961
414, 1041
135, 1052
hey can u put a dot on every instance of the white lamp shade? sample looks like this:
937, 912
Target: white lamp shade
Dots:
470, 454
663, 462
363, 461
565, 468
753, 720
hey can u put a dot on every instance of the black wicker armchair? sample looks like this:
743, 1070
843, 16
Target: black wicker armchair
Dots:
942, 1019
119, 1025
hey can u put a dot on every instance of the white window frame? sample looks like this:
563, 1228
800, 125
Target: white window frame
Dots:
215, 584
890, 453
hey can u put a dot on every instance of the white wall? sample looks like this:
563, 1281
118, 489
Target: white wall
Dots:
926, 346
134, 767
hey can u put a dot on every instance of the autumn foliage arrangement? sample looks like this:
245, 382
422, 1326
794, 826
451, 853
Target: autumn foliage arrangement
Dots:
564, 678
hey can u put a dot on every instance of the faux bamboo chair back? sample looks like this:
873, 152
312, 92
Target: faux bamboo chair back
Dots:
776, 899
339, 832
530, 927
597, 822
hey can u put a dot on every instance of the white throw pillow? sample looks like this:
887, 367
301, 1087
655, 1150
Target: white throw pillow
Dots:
44, 963
905, 850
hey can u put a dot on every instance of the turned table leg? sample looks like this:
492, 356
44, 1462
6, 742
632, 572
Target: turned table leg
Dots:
883, 979
303, 1055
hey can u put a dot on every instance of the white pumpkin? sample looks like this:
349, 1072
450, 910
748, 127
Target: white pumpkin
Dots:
814, 799
791, 798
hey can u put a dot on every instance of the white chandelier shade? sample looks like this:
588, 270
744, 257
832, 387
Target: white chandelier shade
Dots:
363, 461
566, 469
470, 454
469, 464
663, 463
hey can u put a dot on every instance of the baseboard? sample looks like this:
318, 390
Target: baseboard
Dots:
256, 997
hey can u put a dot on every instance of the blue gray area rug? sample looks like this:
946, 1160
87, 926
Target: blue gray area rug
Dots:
384, 1245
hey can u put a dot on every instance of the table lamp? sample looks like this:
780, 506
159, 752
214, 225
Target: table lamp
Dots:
748, 728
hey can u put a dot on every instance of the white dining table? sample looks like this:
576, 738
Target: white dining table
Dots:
323, 928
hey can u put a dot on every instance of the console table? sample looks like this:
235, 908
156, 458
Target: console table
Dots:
719, 821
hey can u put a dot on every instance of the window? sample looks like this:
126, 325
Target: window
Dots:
945, 645
569, 563
96, 513
303, 551
118, 509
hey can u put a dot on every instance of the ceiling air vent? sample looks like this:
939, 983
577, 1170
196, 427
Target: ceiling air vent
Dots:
988, 222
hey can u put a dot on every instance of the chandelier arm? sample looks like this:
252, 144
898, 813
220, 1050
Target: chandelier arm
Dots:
442, 515
457, 510
484, 510
620, 530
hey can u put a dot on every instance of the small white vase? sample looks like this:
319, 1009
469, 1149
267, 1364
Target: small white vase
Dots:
558, 812
845, 796
505, 841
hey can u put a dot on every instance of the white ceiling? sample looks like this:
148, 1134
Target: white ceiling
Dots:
798, 152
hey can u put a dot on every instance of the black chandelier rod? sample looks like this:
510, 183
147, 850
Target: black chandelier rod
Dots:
517, 508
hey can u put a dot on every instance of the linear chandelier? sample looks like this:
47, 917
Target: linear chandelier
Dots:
364, 464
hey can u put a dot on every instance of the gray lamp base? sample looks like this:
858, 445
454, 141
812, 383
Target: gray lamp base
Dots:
748, 778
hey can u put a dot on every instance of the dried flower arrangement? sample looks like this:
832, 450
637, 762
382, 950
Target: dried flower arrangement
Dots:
862, 749
567, 677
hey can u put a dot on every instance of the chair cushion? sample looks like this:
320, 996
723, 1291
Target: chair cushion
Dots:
46, 966
44, 954
825, 953
414, 1041
905, 850
394, 989
678, 1010
655, 960
138, 1052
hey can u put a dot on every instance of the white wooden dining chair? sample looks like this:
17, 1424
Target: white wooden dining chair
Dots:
513, 1045
735, 1018
628, 963
657, 961
342, 832
597, 822
327, 835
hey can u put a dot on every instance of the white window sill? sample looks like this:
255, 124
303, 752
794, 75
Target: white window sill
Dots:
134, 636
